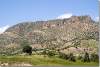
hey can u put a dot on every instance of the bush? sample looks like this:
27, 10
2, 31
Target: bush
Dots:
48, 52
71, 57
86, 57
79, 57
51, 53
94, 57
44, 52
63, 56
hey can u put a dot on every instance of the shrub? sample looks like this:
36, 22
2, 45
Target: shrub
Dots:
94, 57
51, 53
86, 57
71, 57
79, 57
63, 56
44, 52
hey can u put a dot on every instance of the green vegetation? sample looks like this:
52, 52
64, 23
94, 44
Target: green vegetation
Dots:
86, 57
50, 53
71, 57
27, 49
49, 56
39, 60
94, 57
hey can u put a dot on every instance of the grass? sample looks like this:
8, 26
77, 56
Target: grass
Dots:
40, 60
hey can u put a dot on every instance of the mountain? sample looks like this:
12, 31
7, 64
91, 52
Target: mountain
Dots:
75, 34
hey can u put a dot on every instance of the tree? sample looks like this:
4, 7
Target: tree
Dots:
27, 49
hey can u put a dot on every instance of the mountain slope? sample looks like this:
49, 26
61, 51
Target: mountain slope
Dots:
65, 35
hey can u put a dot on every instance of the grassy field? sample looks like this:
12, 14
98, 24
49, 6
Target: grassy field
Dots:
40, 60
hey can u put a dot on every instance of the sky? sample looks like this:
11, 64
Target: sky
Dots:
16, 11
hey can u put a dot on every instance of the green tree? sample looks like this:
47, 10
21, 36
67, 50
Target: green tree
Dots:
27, 49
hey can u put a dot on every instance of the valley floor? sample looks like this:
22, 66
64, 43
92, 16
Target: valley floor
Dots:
40, 60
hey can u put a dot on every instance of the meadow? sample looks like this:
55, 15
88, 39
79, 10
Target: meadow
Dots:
41, 60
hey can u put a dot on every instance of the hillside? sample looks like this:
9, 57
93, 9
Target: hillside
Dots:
76, 34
